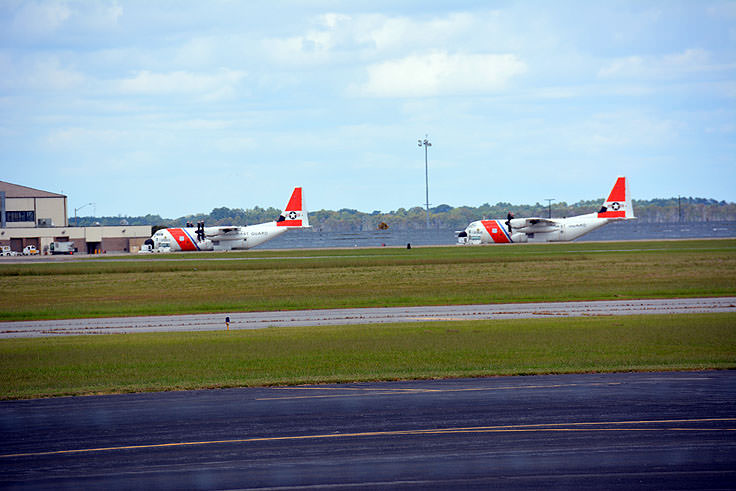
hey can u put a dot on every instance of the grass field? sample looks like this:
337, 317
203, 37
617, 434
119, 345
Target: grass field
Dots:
273, 280
165, 361
279, 280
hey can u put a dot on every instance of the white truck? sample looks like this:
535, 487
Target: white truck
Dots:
61, 248
149, 249
7, 251
30, 250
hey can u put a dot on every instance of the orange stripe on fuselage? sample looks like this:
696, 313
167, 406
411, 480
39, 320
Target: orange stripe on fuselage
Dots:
497, 231
182, 239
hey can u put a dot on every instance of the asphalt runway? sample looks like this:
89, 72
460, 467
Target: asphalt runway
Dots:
259, 320
674, 430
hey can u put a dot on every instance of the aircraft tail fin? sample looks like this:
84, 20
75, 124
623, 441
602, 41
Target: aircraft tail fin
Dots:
295, 214
618, 205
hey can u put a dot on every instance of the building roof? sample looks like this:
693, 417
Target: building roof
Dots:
18, 191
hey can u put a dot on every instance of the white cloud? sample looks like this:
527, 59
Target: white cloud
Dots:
199, 124
355, 38
314, 46
723, 10
99, 16
49, 74
623, 66
624, 129
440, 73
724, 129
43, 73
331, 20
211, 86
202, 50
47, 19
667, 66
294, 50
387, 33
40, 18
77, 137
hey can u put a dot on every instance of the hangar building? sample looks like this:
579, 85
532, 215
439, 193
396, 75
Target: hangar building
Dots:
33, 217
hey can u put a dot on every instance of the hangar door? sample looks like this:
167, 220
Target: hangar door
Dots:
93, 238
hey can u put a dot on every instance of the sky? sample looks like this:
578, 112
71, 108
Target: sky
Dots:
179, 107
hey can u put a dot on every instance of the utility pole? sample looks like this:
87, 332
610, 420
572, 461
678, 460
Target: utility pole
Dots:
426, 143
549, 205
76, 223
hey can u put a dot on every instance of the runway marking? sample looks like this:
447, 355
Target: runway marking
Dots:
536, 428
367, 391
355, 389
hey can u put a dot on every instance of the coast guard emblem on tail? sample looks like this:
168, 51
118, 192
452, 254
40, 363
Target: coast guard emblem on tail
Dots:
295, 214
618, 204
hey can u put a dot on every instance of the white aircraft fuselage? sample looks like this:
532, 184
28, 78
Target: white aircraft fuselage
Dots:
185, 238
617, 207
226, 238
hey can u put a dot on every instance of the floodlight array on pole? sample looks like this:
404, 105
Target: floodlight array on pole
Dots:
426, 143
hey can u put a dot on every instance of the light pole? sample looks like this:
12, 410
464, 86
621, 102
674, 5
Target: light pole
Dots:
426, 143
549, 205
76, 222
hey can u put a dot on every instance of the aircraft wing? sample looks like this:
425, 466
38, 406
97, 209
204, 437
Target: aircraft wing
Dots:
539, 221
223, 232
534, 225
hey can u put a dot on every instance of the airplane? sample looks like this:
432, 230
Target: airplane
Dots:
227, 238
616, 207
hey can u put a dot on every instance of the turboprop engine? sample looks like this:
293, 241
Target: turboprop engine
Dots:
516, 223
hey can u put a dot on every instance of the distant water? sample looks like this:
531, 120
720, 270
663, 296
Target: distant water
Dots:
628, 230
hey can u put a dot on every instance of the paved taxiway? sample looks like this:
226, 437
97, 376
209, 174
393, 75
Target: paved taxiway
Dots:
258, 320
631, 430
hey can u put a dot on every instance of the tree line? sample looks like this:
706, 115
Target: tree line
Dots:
440, 217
